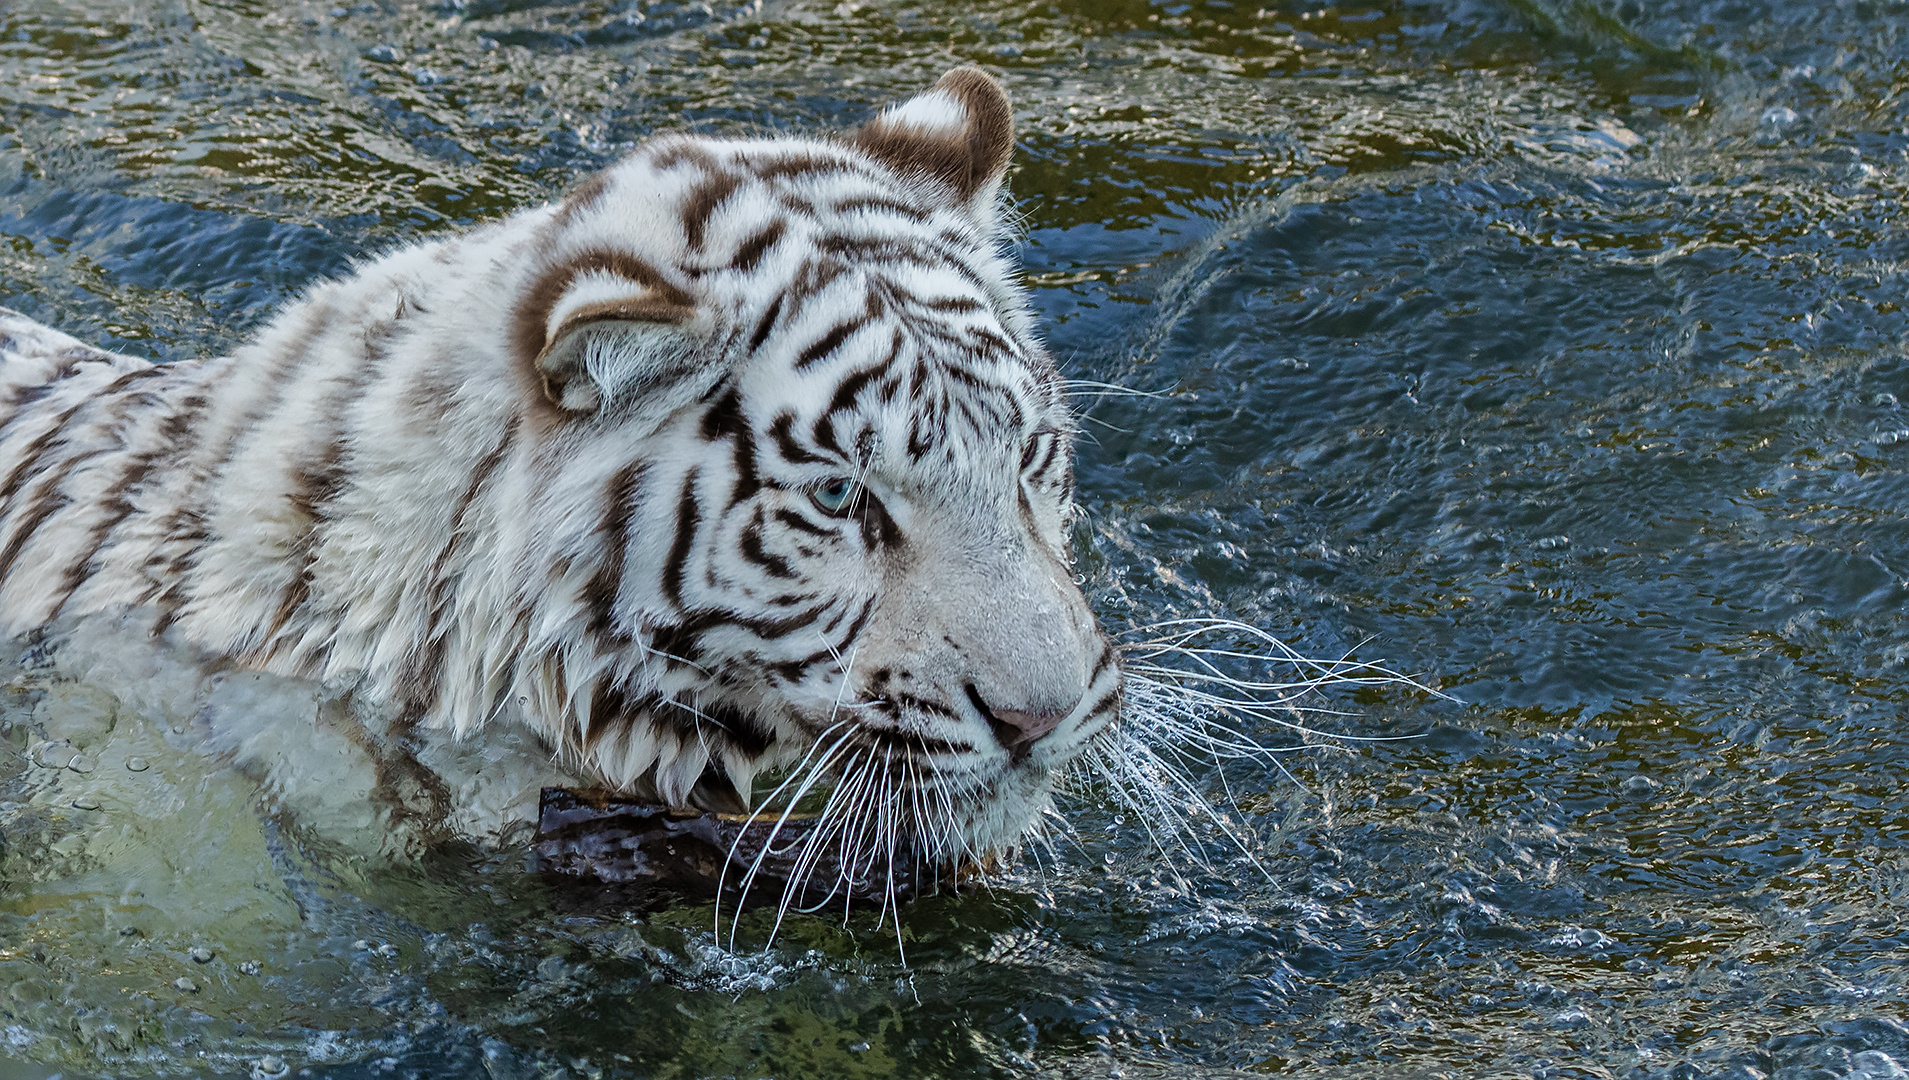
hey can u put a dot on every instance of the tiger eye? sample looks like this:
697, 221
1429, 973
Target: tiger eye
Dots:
834, 497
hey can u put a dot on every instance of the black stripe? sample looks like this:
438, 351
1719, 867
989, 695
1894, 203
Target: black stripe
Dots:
320, 480
830, 342
621, 494
724, 419
801, 524
747, 734
749, 254
748, 480
880, 202
51, 499
703, 201
811, 278
887, 249
879, 531
765, 324
851, 387
688, 517
752, 550
794, 670
951, 303
423, 686
35, 449
781, 430
613, 711
118, 498
993, 340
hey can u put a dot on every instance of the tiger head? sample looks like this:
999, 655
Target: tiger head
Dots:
802, 376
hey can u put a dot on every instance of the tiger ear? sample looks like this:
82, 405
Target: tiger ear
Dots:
959, 133
593, 336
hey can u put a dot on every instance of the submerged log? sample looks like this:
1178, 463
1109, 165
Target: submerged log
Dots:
638, 853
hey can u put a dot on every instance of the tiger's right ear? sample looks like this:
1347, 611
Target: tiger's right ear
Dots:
960, 134
598, 330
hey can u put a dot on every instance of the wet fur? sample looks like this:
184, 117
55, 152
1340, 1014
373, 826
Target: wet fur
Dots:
574, 468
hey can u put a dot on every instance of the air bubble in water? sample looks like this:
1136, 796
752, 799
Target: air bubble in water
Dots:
52, 755
199, 954
137, 764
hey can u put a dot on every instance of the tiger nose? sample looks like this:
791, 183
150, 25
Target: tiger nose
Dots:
1017, 730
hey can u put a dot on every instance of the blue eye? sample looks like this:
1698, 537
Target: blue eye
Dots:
834, 496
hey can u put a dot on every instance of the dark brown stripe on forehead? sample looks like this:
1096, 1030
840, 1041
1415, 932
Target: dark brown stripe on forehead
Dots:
812, 277
583, 197
850, 387
805, 163
880, 202
703, 201
725, 419
682, 150
957, 304
829, 342
782, 431
749, 254
892, 250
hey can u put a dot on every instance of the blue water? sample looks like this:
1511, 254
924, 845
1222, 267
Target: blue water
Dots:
1552, 352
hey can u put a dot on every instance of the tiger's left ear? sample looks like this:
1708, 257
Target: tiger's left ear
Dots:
604, 329
960, 134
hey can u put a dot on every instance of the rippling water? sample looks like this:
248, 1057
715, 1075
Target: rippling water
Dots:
1554, 351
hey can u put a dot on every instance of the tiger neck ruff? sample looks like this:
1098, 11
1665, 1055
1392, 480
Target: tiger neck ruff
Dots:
742, 456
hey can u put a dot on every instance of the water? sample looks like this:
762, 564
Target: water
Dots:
1554, 351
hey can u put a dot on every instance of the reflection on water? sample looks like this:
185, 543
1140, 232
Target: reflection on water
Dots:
1552, 350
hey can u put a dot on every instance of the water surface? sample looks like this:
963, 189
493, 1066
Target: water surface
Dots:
1552, 351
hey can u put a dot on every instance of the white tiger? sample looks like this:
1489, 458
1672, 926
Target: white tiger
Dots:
744, 454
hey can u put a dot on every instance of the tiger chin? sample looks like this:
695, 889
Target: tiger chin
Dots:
744, 456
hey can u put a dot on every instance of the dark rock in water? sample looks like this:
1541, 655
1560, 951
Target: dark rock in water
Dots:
641, 854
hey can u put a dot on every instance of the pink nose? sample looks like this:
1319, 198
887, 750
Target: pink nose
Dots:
1018, 729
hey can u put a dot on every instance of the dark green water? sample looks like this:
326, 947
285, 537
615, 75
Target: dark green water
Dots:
1555, 351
